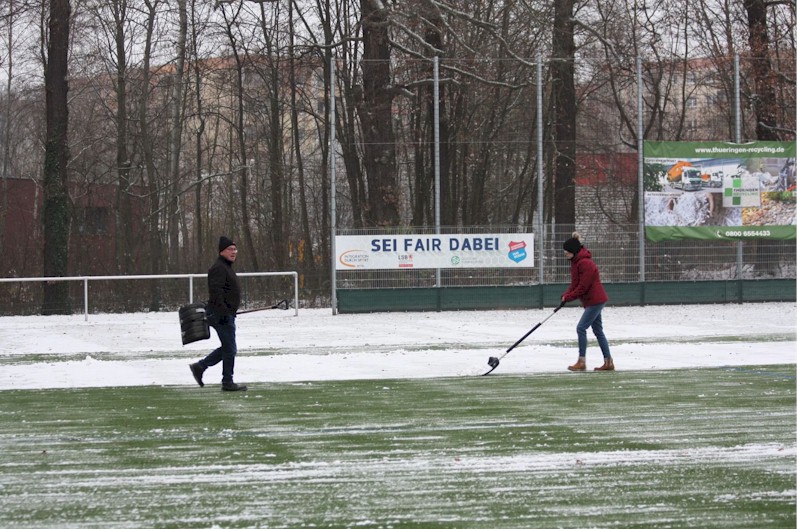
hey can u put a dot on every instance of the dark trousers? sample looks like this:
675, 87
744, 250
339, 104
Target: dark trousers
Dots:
225, 353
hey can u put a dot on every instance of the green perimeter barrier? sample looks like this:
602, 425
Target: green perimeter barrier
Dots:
536, 296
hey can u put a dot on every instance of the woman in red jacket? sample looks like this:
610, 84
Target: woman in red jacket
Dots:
585, 285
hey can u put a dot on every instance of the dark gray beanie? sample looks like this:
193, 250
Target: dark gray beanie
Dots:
572, 245
224, 242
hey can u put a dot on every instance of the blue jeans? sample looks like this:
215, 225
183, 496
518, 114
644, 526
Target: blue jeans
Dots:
592, 318
225, 353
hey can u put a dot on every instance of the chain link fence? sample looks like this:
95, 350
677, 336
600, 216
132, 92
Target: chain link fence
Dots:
616, 252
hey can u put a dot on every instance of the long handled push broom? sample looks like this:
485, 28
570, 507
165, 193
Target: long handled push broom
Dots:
494, 361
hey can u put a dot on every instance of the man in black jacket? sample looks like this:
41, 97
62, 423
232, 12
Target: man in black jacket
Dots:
225, 297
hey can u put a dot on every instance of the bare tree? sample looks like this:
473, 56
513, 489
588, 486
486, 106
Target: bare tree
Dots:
176, 139
241, 147
327, 13
308, 257
341, 34
274, 134
56, 160
113, 18
375, 109
7, 128
764, 100
563, 94
199, 131
485, 127
348, 136
155, 262
232, 133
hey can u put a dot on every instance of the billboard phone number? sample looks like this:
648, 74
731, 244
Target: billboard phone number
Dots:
750, 233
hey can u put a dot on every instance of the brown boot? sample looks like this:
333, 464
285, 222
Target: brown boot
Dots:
581, 365
608, 365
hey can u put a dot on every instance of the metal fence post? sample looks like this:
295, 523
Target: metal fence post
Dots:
540, 187
641, 175
436, 104
738, 139
332, 190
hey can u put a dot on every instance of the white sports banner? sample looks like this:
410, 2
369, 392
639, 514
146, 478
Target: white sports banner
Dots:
395, 252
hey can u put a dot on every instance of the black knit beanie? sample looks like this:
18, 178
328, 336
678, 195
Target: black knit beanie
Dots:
572, 245
224, 242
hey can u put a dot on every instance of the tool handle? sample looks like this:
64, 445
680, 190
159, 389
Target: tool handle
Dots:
281, 305
524, 337
562, 304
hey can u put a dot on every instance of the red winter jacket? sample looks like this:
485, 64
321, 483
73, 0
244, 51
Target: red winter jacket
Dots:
585, 282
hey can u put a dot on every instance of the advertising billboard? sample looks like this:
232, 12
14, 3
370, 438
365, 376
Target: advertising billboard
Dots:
718, 190
401, 252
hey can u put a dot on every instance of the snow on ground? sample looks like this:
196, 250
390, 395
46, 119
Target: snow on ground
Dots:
277, 346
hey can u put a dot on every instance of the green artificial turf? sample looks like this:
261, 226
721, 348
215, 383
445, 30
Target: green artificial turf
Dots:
697, 448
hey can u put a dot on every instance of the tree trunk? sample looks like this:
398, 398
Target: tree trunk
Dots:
242, 155
328, 151
7, 129
347, 137
199, 253
243, 187
376, 117
124, 217
199, 250
421, 194
764, 100
56, 161
277, 172
434, 37
306, 259
175, 141
154, 243
563, 93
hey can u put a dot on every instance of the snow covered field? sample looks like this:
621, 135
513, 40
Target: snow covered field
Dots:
342, 426
276, 346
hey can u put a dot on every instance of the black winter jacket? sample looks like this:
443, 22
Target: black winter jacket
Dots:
224, 289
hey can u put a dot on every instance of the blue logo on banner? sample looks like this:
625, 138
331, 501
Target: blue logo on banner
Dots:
518, 255
517, 251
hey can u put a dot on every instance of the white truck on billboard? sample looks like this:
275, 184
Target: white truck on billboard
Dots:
683, 175
690, 177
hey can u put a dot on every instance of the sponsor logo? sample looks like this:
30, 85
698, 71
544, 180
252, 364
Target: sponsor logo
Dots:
405, 260
517, 251
354, 259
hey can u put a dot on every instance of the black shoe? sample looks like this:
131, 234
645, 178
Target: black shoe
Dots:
197, 371
232, 386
